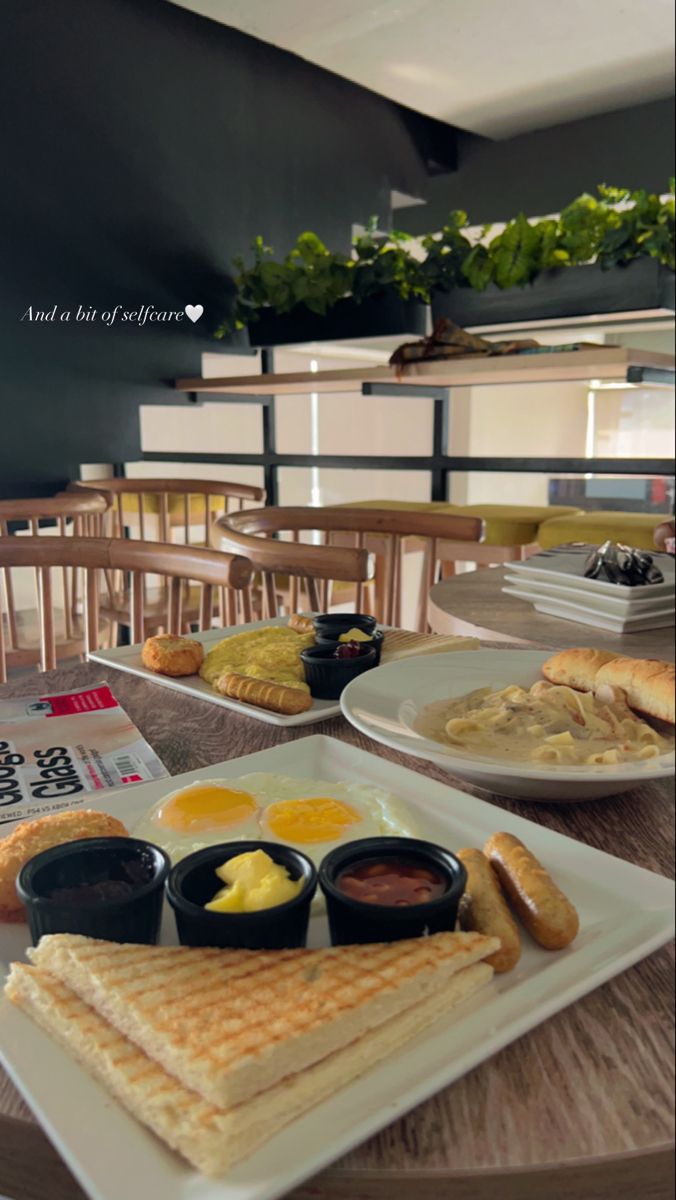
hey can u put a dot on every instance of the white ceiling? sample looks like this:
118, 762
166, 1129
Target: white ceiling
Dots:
490, 66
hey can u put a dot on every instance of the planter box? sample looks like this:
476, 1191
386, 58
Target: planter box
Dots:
377, 316
568, 292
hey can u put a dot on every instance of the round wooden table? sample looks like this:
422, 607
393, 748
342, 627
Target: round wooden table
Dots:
579, 1109
475, 603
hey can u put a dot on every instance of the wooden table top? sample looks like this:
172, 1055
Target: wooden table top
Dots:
476, 599
578, 1108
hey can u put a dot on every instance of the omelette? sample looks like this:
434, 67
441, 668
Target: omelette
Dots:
271, 653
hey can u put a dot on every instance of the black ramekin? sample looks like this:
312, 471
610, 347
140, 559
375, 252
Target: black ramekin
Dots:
331, 625
193, 882
377, 638
135, 918
353, 920
326, 676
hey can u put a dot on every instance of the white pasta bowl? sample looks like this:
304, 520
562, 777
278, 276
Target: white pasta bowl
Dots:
384, 704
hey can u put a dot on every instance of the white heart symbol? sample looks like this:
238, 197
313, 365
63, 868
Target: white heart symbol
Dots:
194, 311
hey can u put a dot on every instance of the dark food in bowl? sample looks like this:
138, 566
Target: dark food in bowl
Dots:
375, 642
362, 919
117, 883
110, 888
326, 675
395, 881
350, 649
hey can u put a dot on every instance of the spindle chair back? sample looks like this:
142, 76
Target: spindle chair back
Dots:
97, 557
348, 537
64, 515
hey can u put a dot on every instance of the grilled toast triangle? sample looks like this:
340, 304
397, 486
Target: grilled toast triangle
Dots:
210, 1138
232, 1023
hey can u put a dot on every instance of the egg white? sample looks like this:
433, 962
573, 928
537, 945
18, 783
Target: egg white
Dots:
380, 814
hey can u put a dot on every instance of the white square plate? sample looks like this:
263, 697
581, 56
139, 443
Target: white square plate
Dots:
625, 914
128, 658
550, 606
565, 564
595, 602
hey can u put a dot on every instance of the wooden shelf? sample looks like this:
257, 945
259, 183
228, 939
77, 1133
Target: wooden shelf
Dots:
607, 363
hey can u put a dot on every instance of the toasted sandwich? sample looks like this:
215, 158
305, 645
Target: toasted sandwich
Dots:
404, 643
212, 1139
230, 1024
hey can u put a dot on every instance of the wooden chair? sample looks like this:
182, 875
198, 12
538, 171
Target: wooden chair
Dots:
353, 532
171, 507
167, 511
302, 565
82, 516
106, 555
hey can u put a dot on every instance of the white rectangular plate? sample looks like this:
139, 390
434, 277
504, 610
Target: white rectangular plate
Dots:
553, 607
566, 565
625, 914
611, 606
128, 658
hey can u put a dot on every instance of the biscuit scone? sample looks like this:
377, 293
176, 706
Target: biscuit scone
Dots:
169, 654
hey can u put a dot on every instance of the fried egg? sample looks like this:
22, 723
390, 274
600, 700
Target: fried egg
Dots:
203, 814
312, 815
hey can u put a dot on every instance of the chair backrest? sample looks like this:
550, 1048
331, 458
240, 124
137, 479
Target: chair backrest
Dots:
166, 510
82, 515
209, 568
378, 531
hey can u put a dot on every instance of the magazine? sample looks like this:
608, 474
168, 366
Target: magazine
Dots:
56, 750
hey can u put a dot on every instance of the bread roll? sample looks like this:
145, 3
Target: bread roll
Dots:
576, 668
648, 684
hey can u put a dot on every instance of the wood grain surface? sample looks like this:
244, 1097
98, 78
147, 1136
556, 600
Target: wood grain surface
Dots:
476, 599
579, 1107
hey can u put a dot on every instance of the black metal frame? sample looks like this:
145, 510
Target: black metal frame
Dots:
438, 464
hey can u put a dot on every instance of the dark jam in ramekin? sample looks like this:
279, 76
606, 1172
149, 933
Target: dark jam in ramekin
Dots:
117, 881
394, 882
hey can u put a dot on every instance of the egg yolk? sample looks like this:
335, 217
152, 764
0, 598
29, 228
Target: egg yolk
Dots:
205, 808
319, 819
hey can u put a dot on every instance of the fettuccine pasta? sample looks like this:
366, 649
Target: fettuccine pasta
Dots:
545, 723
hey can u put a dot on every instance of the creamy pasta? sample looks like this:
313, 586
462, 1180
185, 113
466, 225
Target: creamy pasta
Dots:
545, 723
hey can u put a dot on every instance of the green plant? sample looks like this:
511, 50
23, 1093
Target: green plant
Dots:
385, 264
310, 274
611, 228
313, 276
615, 227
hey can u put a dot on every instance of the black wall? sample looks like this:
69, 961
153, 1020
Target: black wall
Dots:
538, 173
143, 147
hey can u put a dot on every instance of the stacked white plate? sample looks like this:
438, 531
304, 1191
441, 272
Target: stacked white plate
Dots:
555, 584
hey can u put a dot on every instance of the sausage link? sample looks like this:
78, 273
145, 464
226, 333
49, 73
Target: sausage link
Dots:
264, 693
544, 910
484, 909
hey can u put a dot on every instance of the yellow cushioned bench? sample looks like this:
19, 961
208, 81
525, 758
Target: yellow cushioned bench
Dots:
510, 524
176, 506
505, 524
633, 529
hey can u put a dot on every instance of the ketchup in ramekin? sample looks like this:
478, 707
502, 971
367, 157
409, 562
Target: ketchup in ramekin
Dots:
394, 881
383, 889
